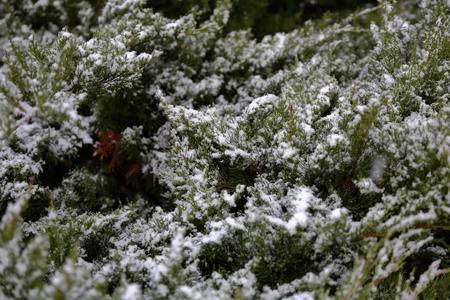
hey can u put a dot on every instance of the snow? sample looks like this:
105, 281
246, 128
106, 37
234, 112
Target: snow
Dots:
234, 224
378, 167
259, 102
335, 139
300, 202
42, 3
336, 213
132, 292
230, 199
366, 186
289, 152
389, 79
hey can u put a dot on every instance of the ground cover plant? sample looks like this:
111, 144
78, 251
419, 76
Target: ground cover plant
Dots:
182, 151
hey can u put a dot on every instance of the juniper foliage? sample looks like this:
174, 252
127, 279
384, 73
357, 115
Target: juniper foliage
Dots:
146, 154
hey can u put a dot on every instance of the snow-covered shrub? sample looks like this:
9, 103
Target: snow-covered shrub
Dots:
146, 157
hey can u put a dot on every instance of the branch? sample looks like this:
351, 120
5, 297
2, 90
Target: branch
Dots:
227, 186
413, 227
355, 164
257, 168
18, 124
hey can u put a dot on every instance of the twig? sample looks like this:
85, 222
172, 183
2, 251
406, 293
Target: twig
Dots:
31, 183
17, 104
365, 237
4, 185
194, 31
103, 80
257, 168
413, 227
227, 186
433, 226
18, 124
355, 164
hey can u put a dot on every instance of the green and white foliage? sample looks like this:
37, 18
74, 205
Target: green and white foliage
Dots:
143, 157
39, 269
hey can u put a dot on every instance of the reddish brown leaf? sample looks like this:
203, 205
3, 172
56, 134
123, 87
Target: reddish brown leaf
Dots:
109, 145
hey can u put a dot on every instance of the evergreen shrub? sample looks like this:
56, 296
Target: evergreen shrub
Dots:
159, 151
